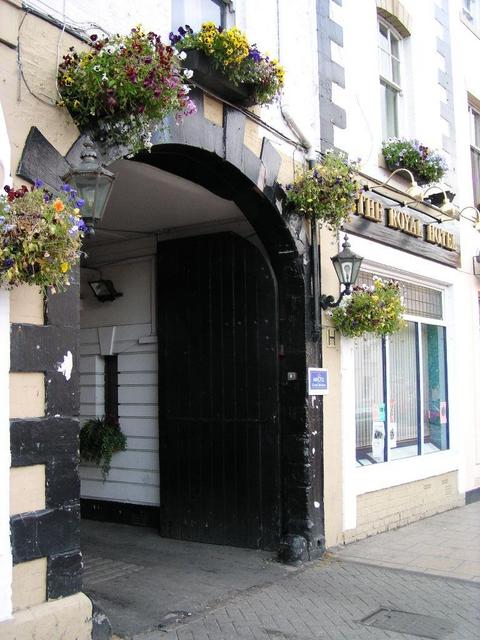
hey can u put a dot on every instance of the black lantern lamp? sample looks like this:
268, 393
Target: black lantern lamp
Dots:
347, 266
92, 181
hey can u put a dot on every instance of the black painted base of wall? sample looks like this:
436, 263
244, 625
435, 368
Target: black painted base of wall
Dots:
472, 496
120, 512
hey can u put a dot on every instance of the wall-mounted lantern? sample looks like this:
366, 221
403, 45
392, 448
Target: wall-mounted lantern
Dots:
92, 181
347, 267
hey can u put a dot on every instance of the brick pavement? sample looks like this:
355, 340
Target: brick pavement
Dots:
328, 599
447, 544
324, 600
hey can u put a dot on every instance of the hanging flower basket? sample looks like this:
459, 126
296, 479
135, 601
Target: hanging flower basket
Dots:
223, 61
326, 192
40, 236
124, 87
426, 164
376, 309
100, 438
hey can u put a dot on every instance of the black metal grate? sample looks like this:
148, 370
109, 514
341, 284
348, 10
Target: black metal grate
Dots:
415, 624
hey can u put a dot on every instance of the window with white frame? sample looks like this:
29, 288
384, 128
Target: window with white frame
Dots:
196, 12
389, 54
474, 115
401, 395
471, 13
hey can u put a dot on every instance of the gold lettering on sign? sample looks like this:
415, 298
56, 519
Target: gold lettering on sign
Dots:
369, 209
436, 235
405, 222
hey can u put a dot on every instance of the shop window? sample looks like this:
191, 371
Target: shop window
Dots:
111, 388
389, 46
401, 401
196, 12
474, 115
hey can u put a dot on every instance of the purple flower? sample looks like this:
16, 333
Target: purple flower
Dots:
80, 202
254, 54
83, 226
38, 183
66, 187
8, 262
182, 31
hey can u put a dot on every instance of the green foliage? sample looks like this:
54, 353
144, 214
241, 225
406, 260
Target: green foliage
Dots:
327, 192
100, 438
376, 309
127, 83
426, 164
232, 55
40, 236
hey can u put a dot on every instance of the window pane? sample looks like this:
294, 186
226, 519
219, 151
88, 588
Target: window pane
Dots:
383, 37
385, 65
475, 156
396, 71
394, 46
369, 401
403, 393
195, 13
434, 389
389, 111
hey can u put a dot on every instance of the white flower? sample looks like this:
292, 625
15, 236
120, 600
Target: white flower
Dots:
188, 73
182, 55
186, 88
104, 77
96, 67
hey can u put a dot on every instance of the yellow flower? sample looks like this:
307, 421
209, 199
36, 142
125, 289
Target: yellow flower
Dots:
64, 267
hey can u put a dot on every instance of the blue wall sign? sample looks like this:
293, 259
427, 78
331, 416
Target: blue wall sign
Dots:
317, 381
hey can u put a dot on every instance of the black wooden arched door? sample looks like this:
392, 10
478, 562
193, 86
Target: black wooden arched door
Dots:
218, 392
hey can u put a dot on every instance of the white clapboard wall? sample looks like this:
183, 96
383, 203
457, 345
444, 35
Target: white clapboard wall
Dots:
123, 327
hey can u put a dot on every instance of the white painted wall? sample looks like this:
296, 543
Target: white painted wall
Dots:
362, 138
129, 324
5, 551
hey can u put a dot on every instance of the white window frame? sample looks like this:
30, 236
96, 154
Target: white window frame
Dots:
419, 321
389, 82
471, 13
226, 9
474, 115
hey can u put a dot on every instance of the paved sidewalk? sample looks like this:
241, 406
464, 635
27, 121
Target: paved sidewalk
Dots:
328, 601
447, 544
354, 593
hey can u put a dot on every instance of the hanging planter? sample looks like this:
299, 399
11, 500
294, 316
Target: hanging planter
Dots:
376, 309
223, 62
426, 164
100, 438
40, 236
326, 192
124, 87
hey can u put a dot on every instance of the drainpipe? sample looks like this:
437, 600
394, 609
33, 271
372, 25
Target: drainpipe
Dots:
310, 156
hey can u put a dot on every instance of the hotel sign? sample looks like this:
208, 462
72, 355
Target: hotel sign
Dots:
403, 228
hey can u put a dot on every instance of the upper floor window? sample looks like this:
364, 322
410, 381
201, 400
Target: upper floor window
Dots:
196, 12
474, 115
471, 12
389, 46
